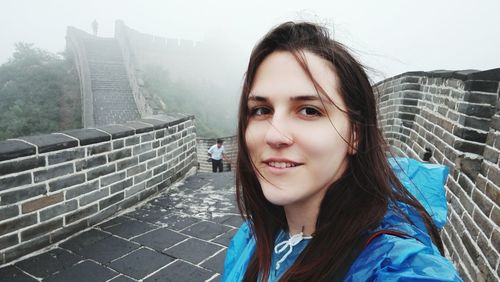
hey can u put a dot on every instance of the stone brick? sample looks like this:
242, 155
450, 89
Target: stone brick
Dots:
8, 241
475, 122
117, 131
466, 201
118, 144
42, 202
22, 194
477, 110
493, 192
100, 171
495, 215
470, 226
147, 137
155, 180
487, 250
143, 176
27, 248
88, 136
155, 162
134, 140
469, 147
135, 189
15, 181
80, 214
481, 85
111, 200
110, 179
21, 165
491, 154
160, 133
482, 221
12, 149
53, 172
124, 164
147, 156
494, 174
82, 189
93, 197
66, 182
67, 155
67, 231
60, 209
141, 148
41, 229
136, 169
98, 149
120, 154
480, 98
482, 201
18, 223
51, 142
120, 185
466, 184
8, 212
470, 166
470, 134
90, 163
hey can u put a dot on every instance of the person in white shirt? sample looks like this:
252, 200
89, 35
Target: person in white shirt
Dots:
216, 153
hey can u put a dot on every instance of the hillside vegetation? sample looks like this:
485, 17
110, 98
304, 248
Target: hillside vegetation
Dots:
39, 93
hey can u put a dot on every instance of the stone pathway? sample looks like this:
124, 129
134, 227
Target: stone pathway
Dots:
180, 235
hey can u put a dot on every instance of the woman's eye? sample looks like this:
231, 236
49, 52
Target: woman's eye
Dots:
260, 111
310, 111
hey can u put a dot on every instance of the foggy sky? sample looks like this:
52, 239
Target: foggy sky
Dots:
391, 36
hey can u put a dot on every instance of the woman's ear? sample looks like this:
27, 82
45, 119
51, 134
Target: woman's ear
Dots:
353, 141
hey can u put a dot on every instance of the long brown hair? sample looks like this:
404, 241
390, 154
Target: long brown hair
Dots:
355, 203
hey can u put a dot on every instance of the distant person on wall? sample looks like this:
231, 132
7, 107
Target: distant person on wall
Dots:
216, 153
95, 25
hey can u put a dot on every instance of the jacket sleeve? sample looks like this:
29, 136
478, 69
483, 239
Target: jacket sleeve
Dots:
238, 254
390, 258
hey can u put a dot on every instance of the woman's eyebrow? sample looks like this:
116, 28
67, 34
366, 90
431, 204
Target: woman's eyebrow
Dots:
257, 98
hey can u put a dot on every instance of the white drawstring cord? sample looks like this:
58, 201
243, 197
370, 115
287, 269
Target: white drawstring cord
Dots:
290, 243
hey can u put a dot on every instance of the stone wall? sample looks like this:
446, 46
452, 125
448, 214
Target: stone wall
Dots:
455, 116
230, 146
54, 185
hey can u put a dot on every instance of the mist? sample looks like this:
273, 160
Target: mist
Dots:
390, 37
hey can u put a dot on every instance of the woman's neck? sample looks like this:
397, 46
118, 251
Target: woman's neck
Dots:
301, 219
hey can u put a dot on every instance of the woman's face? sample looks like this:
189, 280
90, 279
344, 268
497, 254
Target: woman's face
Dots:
296, 139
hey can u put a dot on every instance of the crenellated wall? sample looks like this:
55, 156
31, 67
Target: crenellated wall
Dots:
54, 185
456, 117
230, 148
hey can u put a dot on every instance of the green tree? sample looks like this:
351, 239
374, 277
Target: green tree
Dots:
39, 93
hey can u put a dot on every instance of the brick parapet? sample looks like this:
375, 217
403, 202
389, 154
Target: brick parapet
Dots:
54, 185
456, 116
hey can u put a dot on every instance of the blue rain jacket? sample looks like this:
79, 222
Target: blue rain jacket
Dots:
387, 257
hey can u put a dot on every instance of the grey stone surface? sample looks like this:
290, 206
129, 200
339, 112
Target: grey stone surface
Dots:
126, 228
185, 250
180, 235
160, 239
83, 272
180, 271
48, 263
14, 274
141, 262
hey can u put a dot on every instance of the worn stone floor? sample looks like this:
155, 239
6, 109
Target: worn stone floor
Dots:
180, 235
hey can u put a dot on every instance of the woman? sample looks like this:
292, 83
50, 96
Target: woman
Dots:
320, 199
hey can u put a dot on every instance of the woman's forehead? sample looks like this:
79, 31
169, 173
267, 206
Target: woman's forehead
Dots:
281, 73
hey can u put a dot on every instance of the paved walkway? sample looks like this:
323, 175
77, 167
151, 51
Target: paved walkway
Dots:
180, 235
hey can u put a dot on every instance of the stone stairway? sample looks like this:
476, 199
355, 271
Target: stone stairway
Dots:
112, 95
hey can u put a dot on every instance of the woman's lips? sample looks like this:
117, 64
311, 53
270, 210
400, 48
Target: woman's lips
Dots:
281, 163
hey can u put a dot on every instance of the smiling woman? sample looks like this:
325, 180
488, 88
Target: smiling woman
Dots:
320, 199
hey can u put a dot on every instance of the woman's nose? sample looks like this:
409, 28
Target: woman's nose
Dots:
278, 133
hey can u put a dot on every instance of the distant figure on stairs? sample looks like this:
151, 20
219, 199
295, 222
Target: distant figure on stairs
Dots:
95, 25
